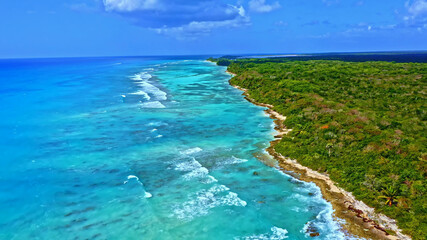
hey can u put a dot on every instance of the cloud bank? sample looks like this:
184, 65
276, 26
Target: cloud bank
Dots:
182, 19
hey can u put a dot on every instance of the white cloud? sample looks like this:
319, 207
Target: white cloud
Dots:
185, 19
197, 29
262, 7
417, 7
417, 15
130, 5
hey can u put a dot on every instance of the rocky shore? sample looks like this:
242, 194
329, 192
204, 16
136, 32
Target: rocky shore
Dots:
360, 219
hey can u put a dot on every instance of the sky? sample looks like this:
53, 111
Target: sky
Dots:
77, 28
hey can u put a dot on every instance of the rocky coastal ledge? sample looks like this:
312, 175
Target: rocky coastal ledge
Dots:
361, 220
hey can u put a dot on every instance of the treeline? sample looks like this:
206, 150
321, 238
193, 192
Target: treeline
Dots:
224, 61
363, 123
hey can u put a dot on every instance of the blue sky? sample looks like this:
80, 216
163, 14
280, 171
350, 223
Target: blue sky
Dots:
53, 28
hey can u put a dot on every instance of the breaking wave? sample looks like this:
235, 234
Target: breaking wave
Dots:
154, 104
275, 234
204, 200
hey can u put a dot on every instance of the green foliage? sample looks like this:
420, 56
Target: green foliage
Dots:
390, 196
364, 123
220, 61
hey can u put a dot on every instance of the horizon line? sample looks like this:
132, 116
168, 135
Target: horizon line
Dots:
216, 54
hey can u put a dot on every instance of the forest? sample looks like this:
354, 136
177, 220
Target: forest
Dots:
362, 123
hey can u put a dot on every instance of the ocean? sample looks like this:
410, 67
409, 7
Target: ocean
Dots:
143, 148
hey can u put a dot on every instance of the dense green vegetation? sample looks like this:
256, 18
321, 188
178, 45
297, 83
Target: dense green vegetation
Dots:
364, 123
220, 61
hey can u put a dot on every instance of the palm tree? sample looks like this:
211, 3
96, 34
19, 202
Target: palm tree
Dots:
390, 195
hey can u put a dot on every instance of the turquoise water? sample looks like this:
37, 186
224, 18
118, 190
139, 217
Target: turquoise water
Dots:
142, 148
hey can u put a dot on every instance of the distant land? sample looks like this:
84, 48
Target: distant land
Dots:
404, 56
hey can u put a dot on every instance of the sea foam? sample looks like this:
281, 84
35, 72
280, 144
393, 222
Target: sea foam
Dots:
191, 151
148, 195
195, 170
235, 160
142, 93
204, 200
275, 234
141, 76
154, 104
148, 90
188, 165
324, 223
200, 172
133, 177
154, 91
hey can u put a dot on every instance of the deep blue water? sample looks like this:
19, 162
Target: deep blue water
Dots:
142, 148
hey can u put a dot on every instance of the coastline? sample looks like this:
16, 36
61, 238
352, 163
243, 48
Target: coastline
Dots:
360, 219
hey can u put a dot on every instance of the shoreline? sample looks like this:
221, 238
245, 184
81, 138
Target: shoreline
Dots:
360, 219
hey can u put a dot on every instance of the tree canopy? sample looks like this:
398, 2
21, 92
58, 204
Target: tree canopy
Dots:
363, 123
